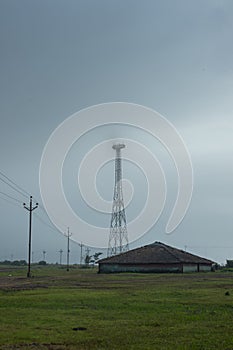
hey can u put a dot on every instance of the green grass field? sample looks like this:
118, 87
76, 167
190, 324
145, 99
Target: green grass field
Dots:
81, 309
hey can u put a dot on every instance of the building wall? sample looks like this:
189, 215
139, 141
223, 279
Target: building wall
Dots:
153, 268
190, 268
147, 268
205, 268
197, 268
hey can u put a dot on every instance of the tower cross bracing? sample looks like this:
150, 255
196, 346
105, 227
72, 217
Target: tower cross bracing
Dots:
118, 237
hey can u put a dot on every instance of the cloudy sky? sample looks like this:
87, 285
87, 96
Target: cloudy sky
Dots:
174, 56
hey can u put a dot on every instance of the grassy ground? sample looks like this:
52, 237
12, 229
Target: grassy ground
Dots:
81, 309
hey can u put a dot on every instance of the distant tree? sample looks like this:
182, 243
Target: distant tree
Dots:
14, 263
23, 262
88, 259
19, 263
96, 256
42, 262
5, 262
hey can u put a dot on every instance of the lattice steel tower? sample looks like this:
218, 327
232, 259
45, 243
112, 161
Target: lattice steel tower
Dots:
118, 238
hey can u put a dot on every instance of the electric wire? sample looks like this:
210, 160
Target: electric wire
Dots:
23, 192
18, 189
13, 187
14, 183
45, 223
9, 201
7, 195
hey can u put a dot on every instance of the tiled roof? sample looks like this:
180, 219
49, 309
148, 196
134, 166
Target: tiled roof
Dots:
156, 253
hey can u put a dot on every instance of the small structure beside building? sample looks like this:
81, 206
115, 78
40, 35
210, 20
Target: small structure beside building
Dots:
157, 257
229, 263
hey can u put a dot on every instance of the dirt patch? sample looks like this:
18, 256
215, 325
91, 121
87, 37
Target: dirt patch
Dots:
79, 329
38, 346
81, 280
8, 284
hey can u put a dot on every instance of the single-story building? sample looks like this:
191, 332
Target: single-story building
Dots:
156, 257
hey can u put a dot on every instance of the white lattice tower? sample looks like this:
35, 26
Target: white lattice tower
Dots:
118, 238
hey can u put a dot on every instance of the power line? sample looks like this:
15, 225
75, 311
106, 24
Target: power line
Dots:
8, 201
19, 189
14, 188
38, 217
45, 223
20, 202
42, 207
45, 212
7, 195
47, 216
14, 183
24, 193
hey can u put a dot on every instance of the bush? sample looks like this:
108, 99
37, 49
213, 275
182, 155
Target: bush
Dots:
42, 262
5, 262
19, 263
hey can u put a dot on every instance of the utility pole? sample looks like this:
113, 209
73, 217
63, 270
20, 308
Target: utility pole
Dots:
30, 209
68, 235
44, 252
81, 253
87, 258
88, 250
60, 251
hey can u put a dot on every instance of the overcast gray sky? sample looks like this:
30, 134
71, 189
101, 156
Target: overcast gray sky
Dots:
175, 57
